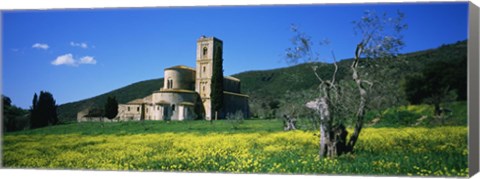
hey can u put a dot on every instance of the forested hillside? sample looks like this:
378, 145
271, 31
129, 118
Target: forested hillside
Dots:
68, 112
270, 89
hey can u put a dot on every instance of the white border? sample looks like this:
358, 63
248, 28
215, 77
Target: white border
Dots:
88, 4
80, 4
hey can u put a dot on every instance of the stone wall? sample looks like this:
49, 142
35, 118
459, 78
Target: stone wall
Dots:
234, 102
171, 100
129, 112
231, 84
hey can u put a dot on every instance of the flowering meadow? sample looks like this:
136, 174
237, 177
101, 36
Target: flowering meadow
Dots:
256, 146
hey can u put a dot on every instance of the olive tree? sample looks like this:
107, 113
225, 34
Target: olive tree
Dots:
345, 101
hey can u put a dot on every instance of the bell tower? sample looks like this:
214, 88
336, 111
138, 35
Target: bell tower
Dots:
207, 47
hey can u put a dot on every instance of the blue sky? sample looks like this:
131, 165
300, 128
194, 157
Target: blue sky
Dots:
78, 54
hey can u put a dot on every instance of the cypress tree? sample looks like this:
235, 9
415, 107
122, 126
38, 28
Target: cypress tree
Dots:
33, 113
216, 95
44, 110
111, 107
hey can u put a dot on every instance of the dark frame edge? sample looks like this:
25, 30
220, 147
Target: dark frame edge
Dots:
1, 89
473, 90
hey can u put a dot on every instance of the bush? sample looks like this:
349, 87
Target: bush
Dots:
235, 119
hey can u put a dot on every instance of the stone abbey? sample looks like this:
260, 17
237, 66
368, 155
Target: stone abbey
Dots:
186, 91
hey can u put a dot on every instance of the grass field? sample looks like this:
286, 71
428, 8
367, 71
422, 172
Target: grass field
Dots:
255, 146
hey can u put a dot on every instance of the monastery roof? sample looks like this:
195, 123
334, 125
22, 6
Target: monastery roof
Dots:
148, 98
186, 103
136, 101
205, 38
231, 78
180, 67
235, 94
163, 90
162, 102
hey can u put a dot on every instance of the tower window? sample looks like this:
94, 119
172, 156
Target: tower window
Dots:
128, 108
205, 50
138, 109
169, 83
204, 68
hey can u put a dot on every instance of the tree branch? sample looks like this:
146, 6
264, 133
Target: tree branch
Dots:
314, 68
336, 67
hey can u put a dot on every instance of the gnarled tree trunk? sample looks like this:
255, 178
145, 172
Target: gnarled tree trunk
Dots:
333, 139
363, 99
289, 123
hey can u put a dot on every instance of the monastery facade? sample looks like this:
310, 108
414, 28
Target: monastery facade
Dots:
186, 91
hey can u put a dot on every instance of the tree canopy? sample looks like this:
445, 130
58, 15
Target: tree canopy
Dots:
14, 118
43, 111
111, 107
440, 81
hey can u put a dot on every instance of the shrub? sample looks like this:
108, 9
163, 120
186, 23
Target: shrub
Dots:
235, 119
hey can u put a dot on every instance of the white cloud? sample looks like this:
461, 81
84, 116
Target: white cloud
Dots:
66, 59
81, 45
88, 60
40, 46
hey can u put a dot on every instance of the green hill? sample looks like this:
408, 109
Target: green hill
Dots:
269, 87
68, 112
266, 86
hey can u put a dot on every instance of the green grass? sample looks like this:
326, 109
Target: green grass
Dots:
146, 127
255, 146
419, 115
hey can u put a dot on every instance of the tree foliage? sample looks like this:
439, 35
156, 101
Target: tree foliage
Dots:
216, 95
440, 81
111, 107
14, 118
43, 111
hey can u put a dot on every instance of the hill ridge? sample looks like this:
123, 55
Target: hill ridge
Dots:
262, 84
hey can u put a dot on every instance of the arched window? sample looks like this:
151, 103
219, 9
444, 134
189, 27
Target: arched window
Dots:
205, 50
204, 68
169, 83
173, 107
128, 109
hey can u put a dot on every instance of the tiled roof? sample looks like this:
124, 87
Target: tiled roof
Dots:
231, 78
180, 67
